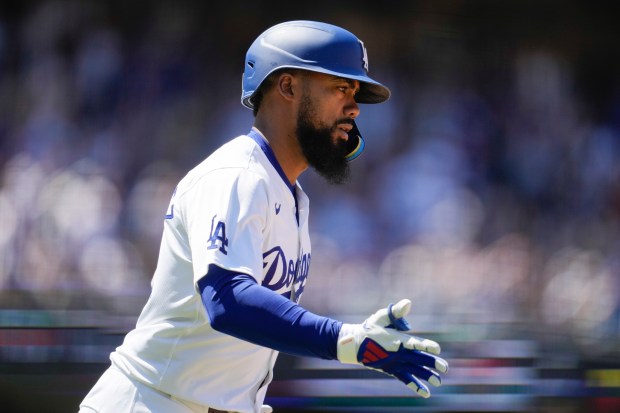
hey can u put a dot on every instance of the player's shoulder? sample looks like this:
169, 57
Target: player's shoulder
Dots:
239, 156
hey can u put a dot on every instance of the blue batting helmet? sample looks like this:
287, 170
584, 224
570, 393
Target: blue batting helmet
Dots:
314, 46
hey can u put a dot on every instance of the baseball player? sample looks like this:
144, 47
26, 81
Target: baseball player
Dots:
235, 252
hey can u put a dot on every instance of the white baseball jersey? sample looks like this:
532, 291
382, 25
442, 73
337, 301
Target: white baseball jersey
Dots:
234, 210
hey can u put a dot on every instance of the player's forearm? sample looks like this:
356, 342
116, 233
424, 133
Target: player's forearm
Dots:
237, 306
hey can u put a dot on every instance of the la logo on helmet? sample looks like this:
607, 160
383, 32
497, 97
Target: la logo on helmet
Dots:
365, 55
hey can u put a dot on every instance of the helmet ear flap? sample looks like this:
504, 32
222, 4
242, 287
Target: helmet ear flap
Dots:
355, 144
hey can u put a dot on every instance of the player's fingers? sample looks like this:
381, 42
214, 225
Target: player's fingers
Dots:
396, 313
385, 316
413, 383
418, 387
423, 344
401, 308
426, 374
420, 358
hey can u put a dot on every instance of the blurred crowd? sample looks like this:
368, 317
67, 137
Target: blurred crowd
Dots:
489, 191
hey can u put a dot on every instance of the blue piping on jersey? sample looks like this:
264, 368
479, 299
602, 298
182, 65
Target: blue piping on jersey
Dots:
264, 145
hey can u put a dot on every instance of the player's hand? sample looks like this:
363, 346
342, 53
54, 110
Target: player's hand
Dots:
378, 345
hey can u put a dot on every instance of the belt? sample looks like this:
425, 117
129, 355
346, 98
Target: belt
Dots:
211, 410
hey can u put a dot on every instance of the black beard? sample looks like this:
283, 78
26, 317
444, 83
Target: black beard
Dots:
317, 145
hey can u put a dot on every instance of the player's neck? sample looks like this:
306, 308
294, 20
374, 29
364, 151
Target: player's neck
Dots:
285, 148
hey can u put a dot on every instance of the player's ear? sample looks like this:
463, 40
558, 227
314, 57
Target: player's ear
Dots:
287, 85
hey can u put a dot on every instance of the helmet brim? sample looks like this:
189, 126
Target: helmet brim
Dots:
372, 92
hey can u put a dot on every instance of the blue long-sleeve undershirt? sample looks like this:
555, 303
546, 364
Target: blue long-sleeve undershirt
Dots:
238, 306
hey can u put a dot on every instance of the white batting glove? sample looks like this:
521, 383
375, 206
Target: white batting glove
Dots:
378, 345
266, 409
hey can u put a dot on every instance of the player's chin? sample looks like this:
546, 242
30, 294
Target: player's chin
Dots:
336, 172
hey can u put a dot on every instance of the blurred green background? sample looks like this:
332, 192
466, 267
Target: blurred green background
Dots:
488, 194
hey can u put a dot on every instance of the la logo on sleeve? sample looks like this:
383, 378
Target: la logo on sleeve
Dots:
217, 238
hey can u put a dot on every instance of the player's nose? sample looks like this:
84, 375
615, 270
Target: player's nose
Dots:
352, 109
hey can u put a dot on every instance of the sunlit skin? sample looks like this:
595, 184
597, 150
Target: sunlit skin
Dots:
333, 106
